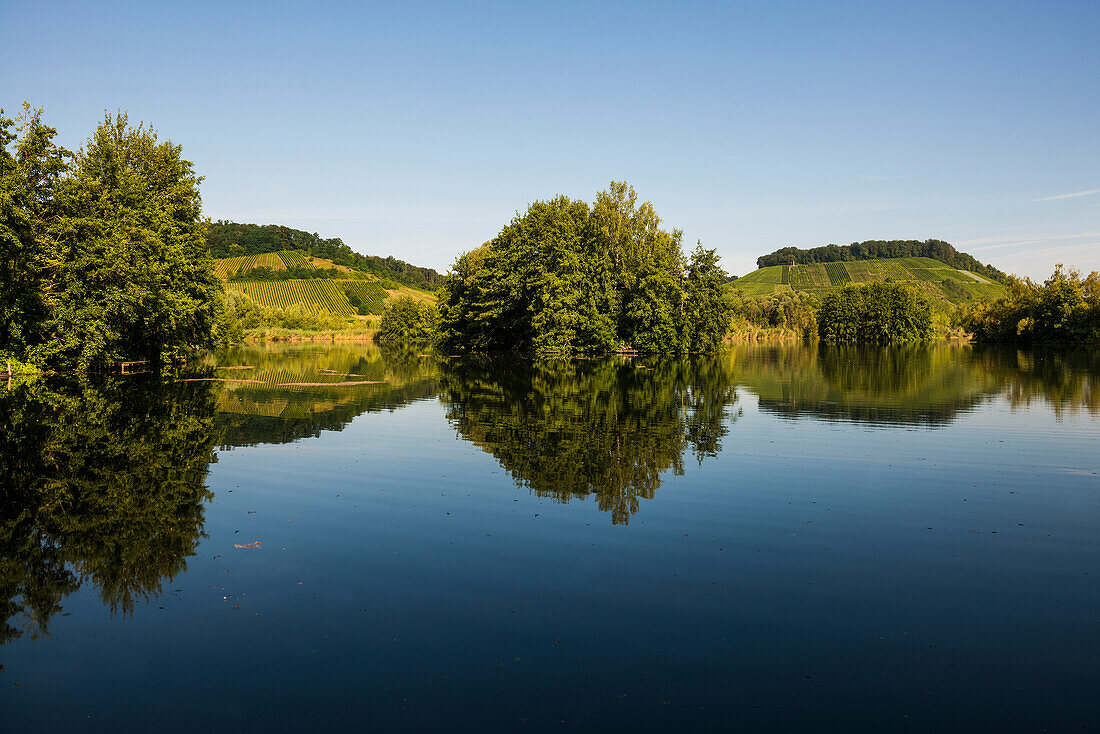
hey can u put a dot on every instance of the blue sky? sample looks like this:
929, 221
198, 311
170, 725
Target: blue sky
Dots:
419, 129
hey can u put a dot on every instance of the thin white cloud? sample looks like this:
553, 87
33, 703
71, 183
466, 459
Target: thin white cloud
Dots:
1033, 241
1089, 247
1074, 195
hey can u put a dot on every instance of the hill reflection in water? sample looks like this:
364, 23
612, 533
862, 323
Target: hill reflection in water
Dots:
611, 428
280, 393
924, 385
106, 479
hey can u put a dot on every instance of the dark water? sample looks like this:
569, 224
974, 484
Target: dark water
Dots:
778, 539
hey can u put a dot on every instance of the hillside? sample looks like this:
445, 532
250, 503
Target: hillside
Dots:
232, 240
935, 279
287, 278
879, 250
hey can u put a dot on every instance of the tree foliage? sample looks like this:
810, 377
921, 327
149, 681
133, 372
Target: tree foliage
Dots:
1064, 309
794, 310
568, 277
408, 319
104, 256
876, 312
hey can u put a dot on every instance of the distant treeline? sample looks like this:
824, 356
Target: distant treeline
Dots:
876, 249
229, 239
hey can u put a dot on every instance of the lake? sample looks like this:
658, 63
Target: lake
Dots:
778, 538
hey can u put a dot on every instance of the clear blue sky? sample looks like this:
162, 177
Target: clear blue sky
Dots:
419, 129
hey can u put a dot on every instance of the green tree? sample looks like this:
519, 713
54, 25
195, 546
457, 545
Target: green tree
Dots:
131, 278
877, 312
707, 310
408, 319
29, 177
567, 277
1064, 309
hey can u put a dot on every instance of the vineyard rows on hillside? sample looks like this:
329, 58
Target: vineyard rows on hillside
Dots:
320, 295
370, 294
231, 266
932, 277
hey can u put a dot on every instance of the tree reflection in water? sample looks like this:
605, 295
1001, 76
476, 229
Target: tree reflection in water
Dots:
105, 484
608, 428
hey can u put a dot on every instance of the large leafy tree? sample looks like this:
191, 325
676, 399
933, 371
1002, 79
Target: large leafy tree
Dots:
707, 311
30, 172
134, 278
567, 277
102, 252
876, 312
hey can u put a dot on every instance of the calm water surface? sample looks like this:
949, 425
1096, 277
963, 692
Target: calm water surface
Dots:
781, 538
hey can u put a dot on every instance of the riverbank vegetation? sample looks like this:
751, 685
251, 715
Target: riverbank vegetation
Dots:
1064, 309
409, 320
880, 312
566, 277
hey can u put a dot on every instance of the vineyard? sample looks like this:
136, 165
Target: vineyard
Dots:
314, 295
231, 266
294, 259
838, 274
369, 293
349, 293
935, 279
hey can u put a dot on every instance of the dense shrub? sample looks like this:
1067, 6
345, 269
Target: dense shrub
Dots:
408, 319
1065, 309
877, 312
794, 310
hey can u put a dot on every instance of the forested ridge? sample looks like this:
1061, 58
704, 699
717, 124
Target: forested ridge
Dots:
230, 239
881, 249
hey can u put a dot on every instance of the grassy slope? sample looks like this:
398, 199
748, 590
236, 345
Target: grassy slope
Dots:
312, 295
934, 278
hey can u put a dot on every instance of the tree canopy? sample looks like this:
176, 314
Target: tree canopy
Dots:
1064, 309
571, 277
876, 312
102, 251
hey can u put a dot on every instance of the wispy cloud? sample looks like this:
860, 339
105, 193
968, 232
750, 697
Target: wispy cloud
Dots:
1074, 195
1020, 243
1090, 248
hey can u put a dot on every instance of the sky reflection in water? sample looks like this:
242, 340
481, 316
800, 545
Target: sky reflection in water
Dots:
782, 537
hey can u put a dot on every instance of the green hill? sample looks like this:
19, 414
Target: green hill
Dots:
232, 240
882, 249
292, 278
935, 279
